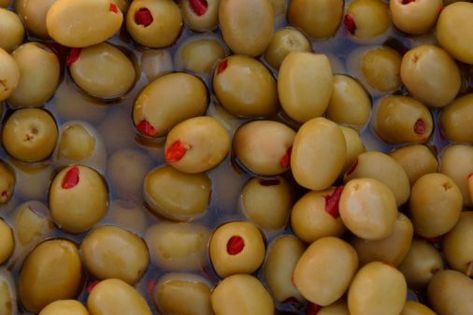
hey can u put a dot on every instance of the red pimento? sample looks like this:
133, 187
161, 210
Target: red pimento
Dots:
332, 201
420, 127
350, 24
143, 17
73, 56
222, 66
113, 8
235, 245
313, 309
199, 6
352, 168
91, 286
145, 128
407, 1
176, 151
71, 179
285, 161
150, 286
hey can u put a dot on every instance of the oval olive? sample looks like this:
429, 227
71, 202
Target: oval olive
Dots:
416, 308
64, 307
33, 13
381, 68
128, 215
354, 145
283, 42
76, 143
200, 15
7, 182
8, 304
455, 119
155, 63
367, 19
200, 55
12, 30
458, 244
417, 160
9, 74
415, 17
7, 240
31, 223
456, 162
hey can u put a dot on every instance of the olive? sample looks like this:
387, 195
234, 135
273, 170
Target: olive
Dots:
421, 263
455, 23
283, 255
114, 296
319, 148
127, 215
52, 271
175, 195
392, 249
200, 15
325, 270
7, 240
415, 17
417, 160
177, 246
383, 168
430, 75
77, 142
455, 119
197, 145
337, 308
155, 63
39, 75
305, 85
9, 75
435, 205
13, 31
30, 134
241, 295
264, 146
200, 55
5, 4
181, 293
367, 19
317, 18
380, 68
78, 198
458, 244
33, 13
154, 23
246, 25
376, 289
283, 42
279, 7
315, 215
416, 308
401, 119
167, 101
245, 87
64, 307
457, 163
267, 202
350, 104
69, 22
354, 145
102, 70
368, 208
8, 305
236, 247
7, 182
31, 223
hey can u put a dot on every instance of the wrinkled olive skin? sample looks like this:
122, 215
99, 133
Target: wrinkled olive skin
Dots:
197, 21
416, 160
7, 182
52, 271
200, 55
450, 293
416, 308
371, 18
456, 162
458, 244
9, 74
455, 119
64, 307
33, 13
12, 30
415, 17
285, 41
7, 240
381, 69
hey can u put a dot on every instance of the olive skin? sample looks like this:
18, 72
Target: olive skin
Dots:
7, 182
4, 4
9, 74
455, 119
430, 75
354, 144
450, 292
31, 223
456, 162
155, 63
241, 295
415, 17
381, 68
8, 303
114, 296
367, 19
76, 143
435, 205
33, 14
416, 160
377, 288
200, 55
337, 308
68, 22
52, 271
246, 25
325, 270
457, 244
455, 23
319, 147
64, 307
285, 41
416, 308
305, 85
200, 16
13, 31
8, 242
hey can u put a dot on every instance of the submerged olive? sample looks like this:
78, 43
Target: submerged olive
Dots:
200, 55
285, 41
381, 68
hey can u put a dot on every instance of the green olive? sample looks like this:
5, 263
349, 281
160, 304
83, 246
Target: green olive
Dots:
9, 75
76, 143
457, 163
31, 223
7, 182
415, 17
305, 85
13, 31
416, 308
128, 215
381, 68
325, 270
64, 307
455, 119
33, 13
155, 63
430, 75
200, 55
285, 41
52, 271
8, 305
417, 160
354, 145
7, 240
376, 289
200, 15
367, 19
458, 244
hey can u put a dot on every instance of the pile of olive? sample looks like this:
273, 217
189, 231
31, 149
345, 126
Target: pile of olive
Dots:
236, 157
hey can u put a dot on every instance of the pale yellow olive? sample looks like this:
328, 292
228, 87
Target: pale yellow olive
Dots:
200, 55
245, 87
325, 270
33, 13
8, 305
455, 119
76, 143
381, 68
264, 147
417, 160
155, 63
285, 41
383, 168
167, 101
200, 15
78, 198
52, 271
31, 223
415, 17
457, 163
12, 30
435, 205
305, 85
241, 295
114, 296
430, 75
317, 18
377, 288
368, 208
39, 75
421, 263
181, 293
246, 25
455, 23
283, 255
30, 134
83, 23
177, 246
7, 240
7, 182
128, 215
350, 104
337, 308
236, 247
9, 75
64, 307
354, 145
450, 292
319, 148
175, 195
267, 202
458, 244
416, 308
367, 19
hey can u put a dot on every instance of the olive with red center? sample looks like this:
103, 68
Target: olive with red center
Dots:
455, 119
7, 240
200, 15
9, 75
381, 68
367, 19
458, 244
415, 16
33, 14
7, 182
236, 247
417, 160
12, 30
456, 162
200, 55
64, 307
